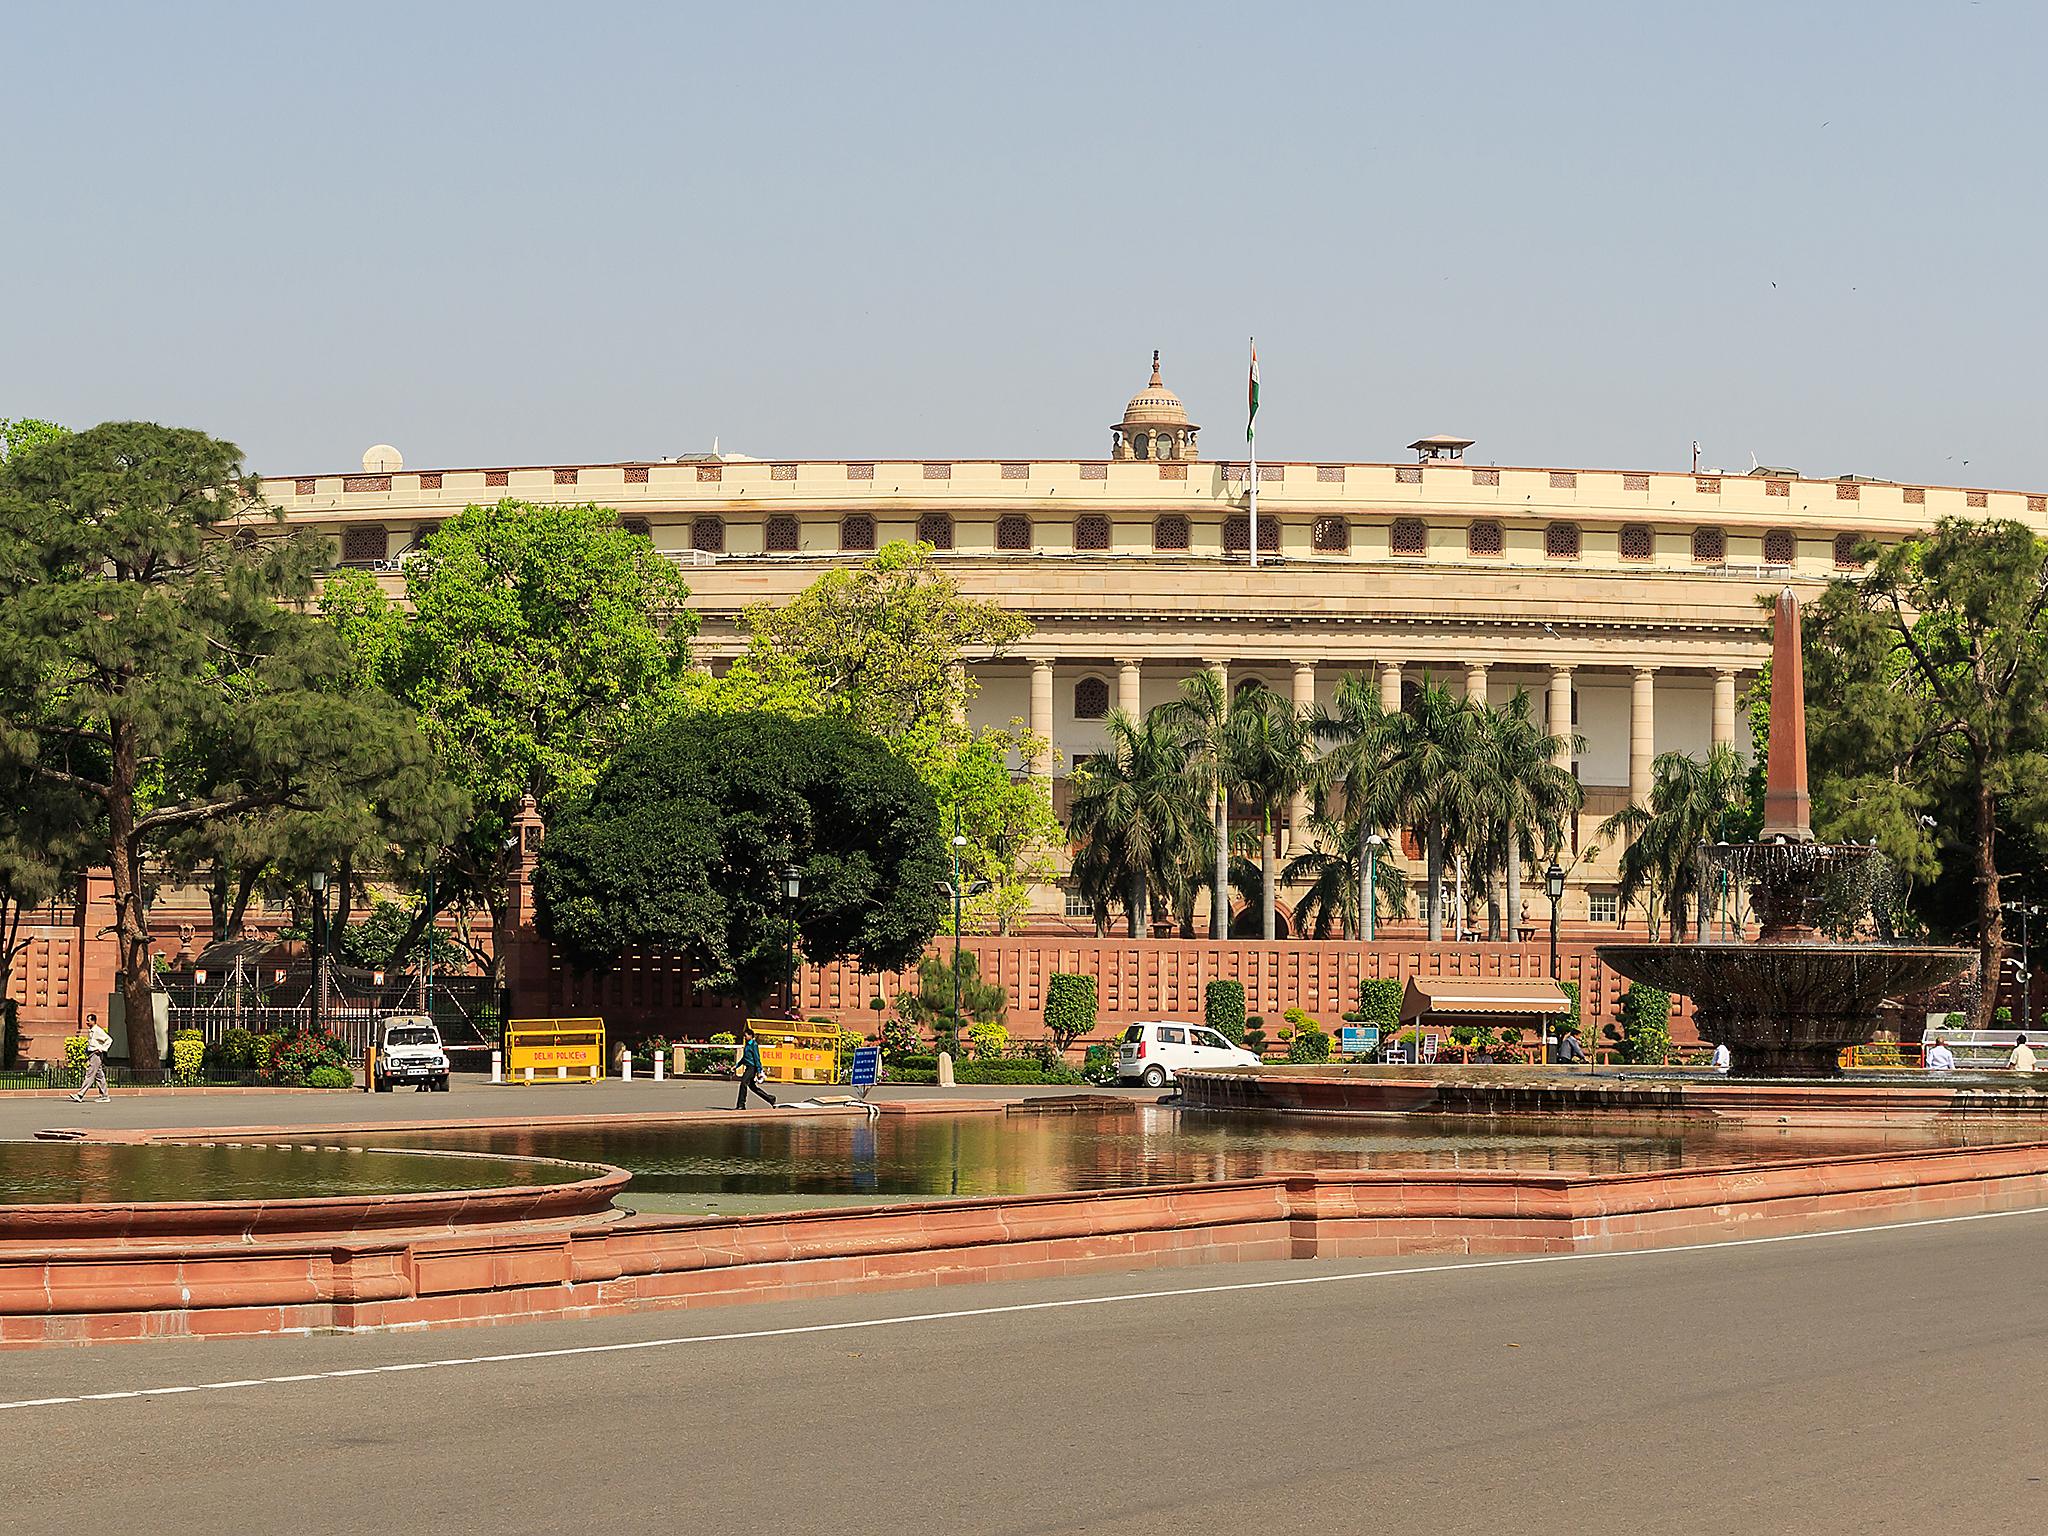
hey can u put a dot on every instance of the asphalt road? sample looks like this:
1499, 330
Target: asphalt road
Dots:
1871, 1382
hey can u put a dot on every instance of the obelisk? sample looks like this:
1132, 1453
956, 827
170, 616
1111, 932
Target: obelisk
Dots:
1787, 810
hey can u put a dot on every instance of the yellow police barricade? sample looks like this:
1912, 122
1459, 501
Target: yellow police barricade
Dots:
554, 1050
793, 1052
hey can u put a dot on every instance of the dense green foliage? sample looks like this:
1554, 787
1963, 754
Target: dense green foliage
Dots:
1927, 697
931, 1005
1069, 1007
1223, 1009
290, 1060
155, 659
1310, 1042
1379, 1003
1692, 801
681, 844
1644, 1033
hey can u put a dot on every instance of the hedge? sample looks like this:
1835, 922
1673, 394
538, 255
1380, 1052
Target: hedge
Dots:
1223, 1009
1069, 1007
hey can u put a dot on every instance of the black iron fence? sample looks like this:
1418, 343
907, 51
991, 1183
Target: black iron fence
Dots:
463, 1007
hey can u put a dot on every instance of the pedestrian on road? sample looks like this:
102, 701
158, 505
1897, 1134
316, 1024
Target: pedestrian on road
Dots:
750, 1070
1939, 1057
97, 1043
1723, 1062
2022, 1057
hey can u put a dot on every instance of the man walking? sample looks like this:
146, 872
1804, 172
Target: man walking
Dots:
97, 1043
750, 1070
2022, 1057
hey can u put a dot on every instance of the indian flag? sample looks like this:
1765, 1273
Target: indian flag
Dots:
1251, 420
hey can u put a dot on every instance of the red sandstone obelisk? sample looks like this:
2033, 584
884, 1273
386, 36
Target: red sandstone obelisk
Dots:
1787, 811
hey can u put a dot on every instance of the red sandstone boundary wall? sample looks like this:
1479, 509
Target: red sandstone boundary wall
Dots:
1134, 979
96, 1292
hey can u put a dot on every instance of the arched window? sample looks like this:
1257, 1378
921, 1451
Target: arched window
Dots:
1484, 539
1846, 545
1237, 535
857, 533
1637, 543
1332, 536
1709, 546
935, 529
1091, 531
1170, 533
783, 535
1141, 445
1780, 548
1561, 541
364, 544
1091, 698
1408, 536
708, 535
1013, 531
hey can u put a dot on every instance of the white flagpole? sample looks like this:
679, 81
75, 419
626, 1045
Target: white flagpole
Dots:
1251, 439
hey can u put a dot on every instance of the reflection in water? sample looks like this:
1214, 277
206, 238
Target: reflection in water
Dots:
1023, 1153
73, 1173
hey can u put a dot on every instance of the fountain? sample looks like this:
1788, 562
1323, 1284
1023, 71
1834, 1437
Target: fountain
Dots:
1786, 1005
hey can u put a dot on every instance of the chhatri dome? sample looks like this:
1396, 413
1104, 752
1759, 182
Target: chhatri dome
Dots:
1155, 425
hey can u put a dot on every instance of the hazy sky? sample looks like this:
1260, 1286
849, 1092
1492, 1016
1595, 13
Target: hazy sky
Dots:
1581, 234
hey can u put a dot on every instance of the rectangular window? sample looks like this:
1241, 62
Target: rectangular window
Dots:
1077, 904
1603, 906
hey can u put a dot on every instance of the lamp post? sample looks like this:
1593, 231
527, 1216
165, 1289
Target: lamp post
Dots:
792, 887
317, 883
1553, 887
957, 891
1373, 845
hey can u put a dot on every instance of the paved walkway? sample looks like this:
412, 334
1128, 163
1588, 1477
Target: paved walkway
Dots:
23, 1114
1821, 1385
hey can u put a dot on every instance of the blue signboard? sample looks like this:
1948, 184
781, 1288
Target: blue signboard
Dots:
1358, 1039
867, 1066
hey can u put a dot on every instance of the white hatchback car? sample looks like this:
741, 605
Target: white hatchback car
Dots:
1154, 1049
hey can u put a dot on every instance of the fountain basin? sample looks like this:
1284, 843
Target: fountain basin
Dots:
1786, 1010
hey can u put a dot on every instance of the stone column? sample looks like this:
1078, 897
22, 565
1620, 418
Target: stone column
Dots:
1297, 810
1642, 734
1129, 694
1041, 714
1724, 707
1390, 686
1475, 681
1559, 716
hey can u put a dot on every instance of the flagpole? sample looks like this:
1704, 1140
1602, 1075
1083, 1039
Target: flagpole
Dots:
1251, 438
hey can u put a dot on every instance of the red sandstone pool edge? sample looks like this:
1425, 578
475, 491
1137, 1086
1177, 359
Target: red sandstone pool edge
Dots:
538, 1270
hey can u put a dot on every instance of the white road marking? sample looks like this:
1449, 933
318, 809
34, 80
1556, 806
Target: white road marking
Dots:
905, 1319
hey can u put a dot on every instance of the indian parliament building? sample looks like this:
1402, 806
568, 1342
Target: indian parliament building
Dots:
1624, 601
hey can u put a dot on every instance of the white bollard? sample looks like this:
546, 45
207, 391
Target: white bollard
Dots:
659, 1059
497, 1066
529, 1074
562, 1072
625, 1066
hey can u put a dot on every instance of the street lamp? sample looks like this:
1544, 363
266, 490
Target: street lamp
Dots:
1373, 845
792, 887
317, 883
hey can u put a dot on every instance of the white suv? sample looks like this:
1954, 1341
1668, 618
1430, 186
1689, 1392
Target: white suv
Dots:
409, 1051
1153, 1050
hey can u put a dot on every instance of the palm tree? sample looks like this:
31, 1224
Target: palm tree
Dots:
1690, 799
1527, 795
1132, 804
1334, 901
1200, 716
1432, 781
1356, 736
1269, 753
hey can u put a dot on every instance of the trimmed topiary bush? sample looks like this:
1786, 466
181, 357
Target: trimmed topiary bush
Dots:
1645, 1035
188, 1056
1379, 1002
987, 1040
1223, 1010
1069, 1007
236, 1052
325, 1076
1310, 1043
75, 1054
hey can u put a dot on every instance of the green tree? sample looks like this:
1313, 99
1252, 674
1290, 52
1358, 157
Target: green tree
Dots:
1200, 716
1223, 1008
133, 621
1432, 779
1350, 784
47, 835
23, 432
1527, 796
1007, 820
1069, 1008
535, 641
682, 842
1327, 873
1927, 690
1135, 805
1692, 802
931, 1005
1269, 748
384, 940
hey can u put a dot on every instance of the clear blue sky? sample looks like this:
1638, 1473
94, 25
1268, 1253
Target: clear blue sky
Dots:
552, 233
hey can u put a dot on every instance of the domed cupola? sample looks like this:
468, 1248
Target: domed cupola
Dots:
1155, 425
